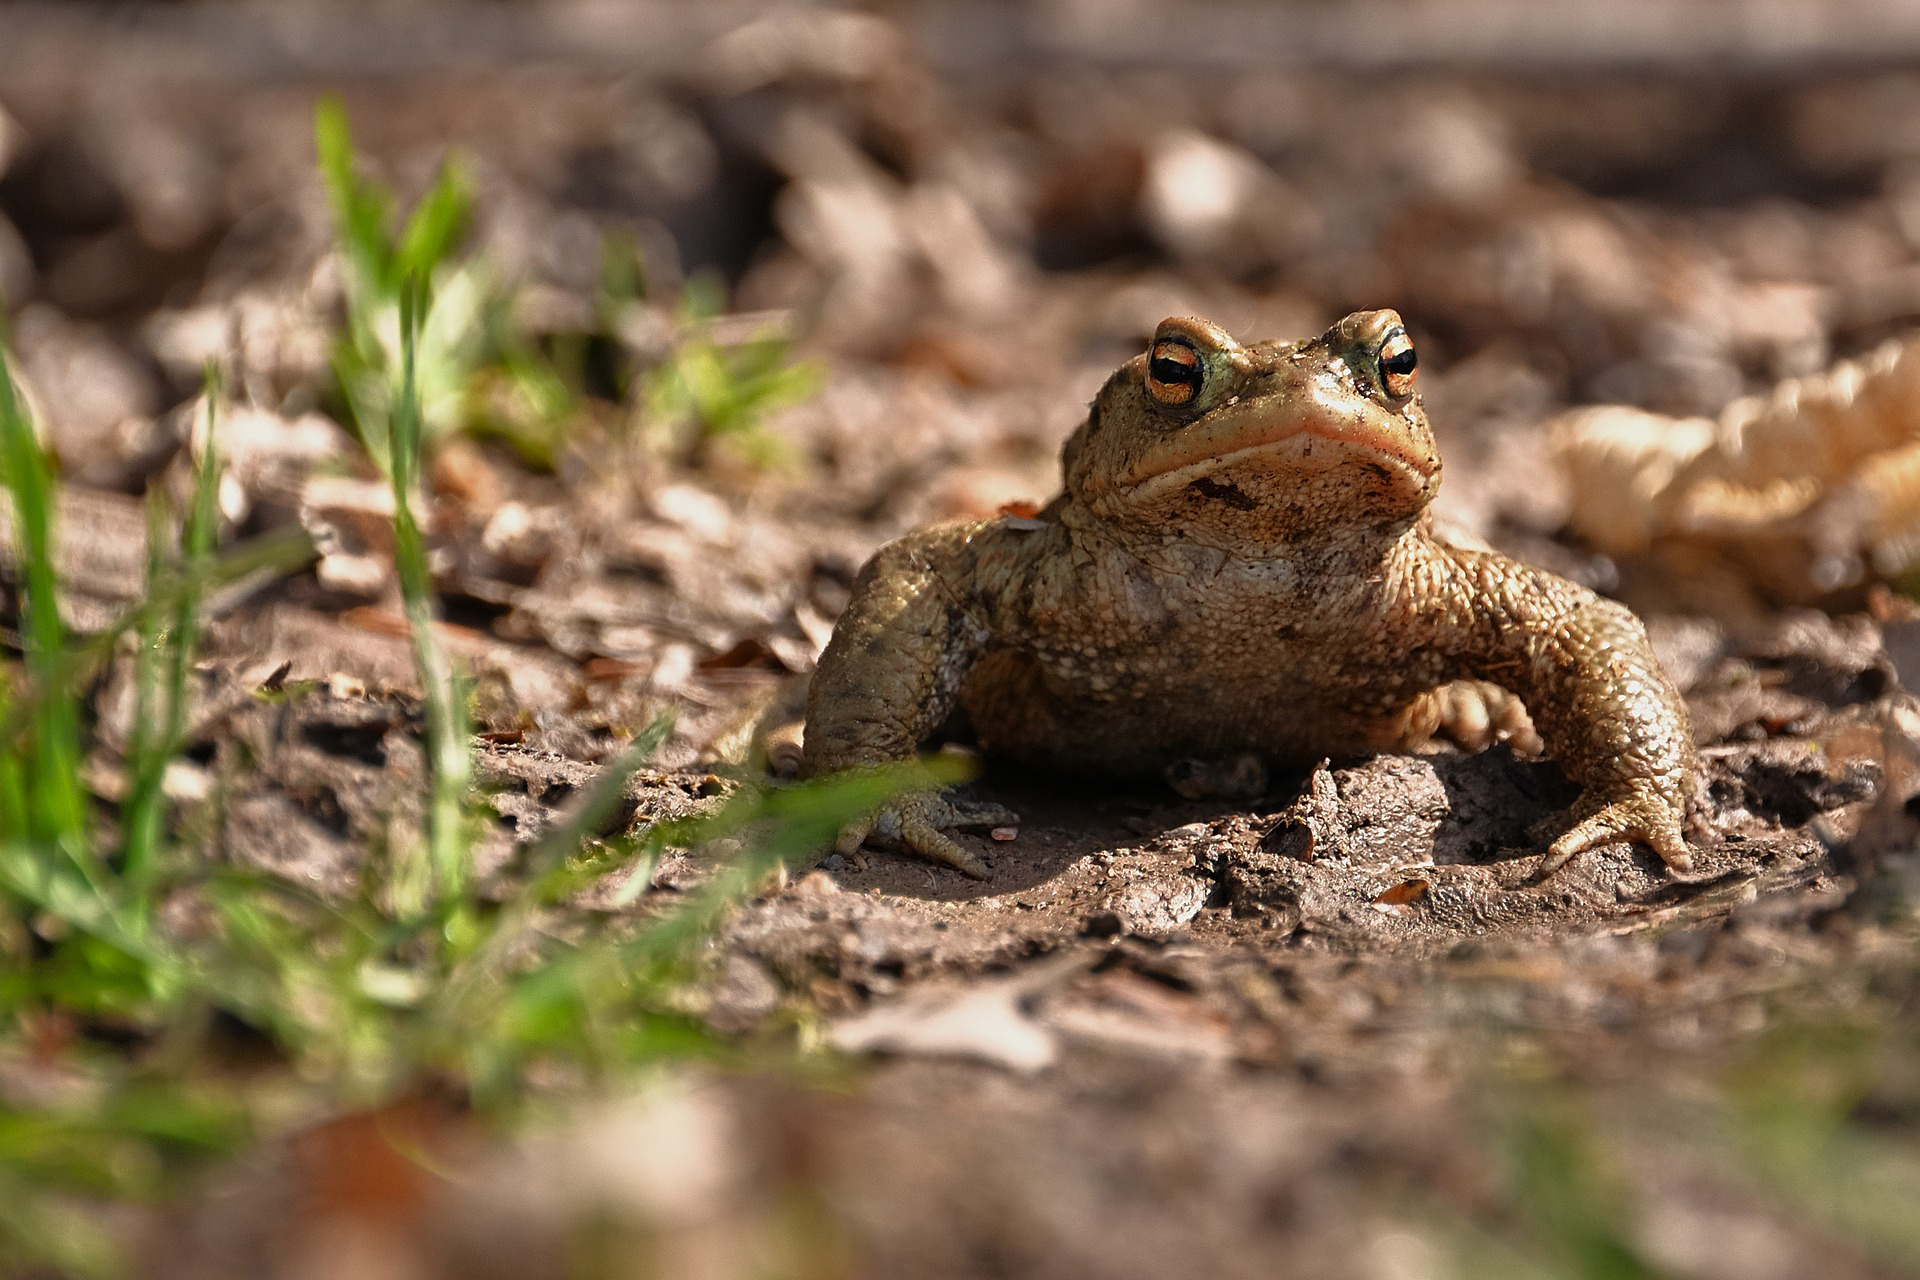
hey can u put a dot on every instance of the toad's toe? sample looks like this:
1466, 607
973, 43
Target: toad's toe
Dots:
1643, 815
921, 822
929, 841
979, 813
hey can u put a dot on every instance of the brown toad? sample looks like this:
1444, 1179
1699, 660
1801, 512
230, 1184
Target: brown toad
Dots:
1241, 564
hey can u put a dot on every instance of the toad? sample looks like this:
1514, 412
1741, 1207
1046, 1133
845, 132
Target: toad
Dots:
1241, 565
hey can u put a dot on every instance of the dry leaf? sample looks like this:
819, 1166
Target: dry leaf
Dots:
1401, 898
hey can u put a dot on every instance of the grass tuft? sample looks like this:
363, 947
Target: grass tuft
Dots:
419, 980
473, 370
711, 393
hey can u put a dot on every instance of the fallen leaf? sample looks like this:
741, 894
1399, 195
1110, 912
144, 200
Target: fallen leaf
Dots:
748, 651
614, 668
987, 1022
1400, 899
367, 1164
384, 623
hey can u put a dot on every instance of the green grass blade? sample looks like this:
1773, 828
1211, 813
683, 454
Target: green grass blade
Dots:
1574, 1209
37, 1233
145, 756
548, 877
449, 755
437, 225
783, 824
144, 812
362, 211
362, 383
84, 906
196, 555
55, 805
564, 839
13, 768
405, 429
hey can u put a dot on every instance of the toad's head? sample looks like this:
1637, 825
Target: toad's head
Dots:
1272, 442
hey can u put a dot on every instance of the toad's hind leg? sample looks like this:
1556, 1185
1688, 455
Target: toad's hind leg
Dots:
1472, 714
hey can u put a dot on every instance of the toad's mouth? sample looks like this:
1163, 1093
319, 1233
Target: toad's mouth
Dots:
1290, 442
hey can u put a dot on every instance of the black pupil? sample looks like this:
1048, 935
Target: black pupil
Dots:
1400, 364
1164, 369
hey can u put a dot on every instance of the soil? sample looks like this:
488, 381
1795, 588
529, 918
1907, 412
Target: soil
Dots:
1167, 1036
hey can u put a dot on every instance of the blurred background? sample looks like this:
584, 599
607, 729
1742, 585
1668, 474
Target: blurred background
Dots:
971, 212
729, 293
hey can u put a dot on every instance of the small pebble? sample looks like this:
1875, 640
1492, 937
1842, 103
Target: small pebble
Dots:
833, 862
1005, 833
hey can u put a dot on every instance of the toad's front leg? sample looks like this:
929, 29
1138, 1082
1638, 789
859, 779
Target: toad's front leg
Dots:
1605, 710
889, 677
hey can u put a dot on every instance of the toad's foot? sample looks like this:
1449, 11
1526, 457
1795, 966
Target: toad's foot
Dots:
1640, 810
1476, 714
1473, 715
921, 820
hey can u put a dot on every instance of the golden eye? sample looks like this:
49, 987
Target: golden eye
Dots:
1397, 365
1174, 373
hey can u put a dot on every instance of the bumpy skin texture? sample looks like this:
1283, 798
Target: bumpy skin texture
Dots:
1240, 564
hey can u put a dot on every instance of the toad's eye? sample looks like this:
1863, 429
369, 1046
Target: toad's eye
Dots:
1174, 373
1397, 365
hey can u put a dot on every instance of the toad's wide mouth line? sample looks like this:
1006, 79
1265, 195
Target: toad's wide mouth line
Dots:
1384, 444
